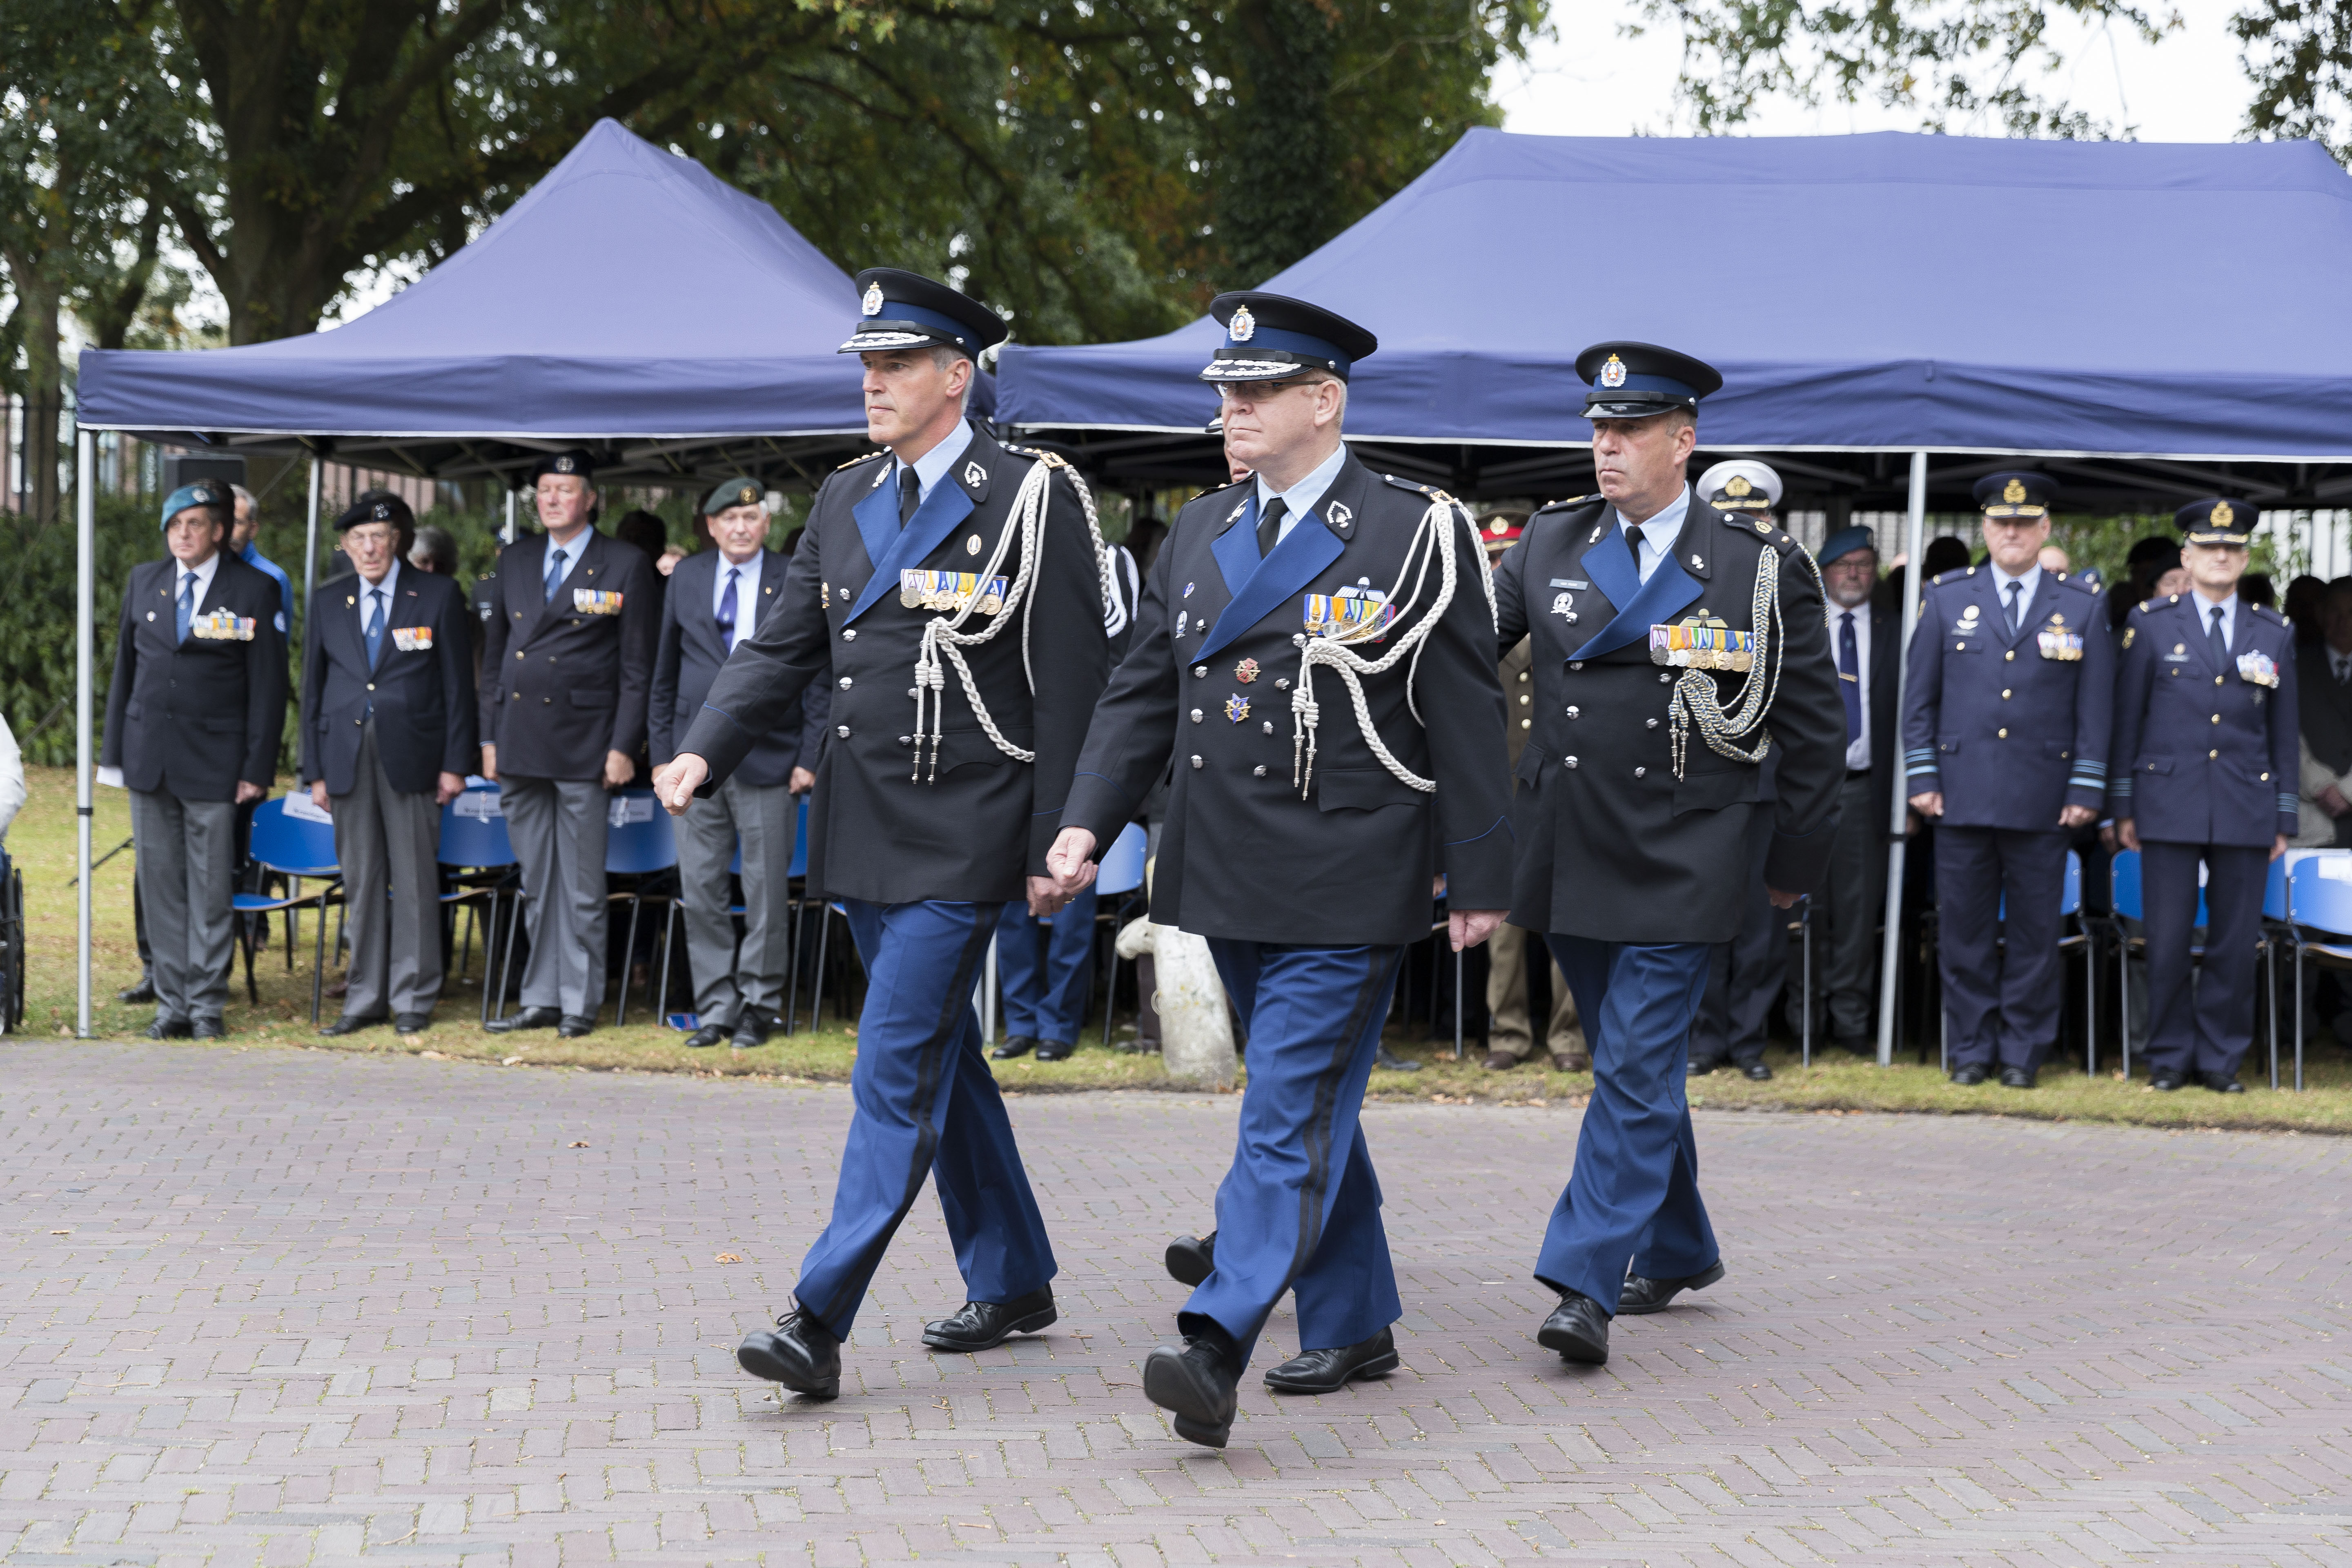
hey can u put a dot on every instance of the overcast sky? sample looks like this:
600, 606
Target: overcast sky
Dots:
1593, 82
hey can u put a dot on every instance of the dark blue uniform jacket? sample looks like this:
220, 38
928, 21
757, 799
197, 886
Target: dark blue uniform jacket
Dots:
2205, 753
688, 660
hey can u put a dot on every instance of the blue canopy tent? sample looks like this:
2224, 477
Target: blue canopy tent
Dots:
2149, 323
632, 302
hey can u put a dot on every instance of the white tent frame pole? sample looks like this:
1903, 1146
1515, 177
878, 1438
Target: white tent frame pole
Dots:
310, 545
1891, 954
85, 677
508, 536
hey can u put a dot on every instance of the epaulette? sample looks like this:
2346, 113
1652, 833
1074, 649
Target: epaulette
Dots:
1954, 576
1564, 505
2080, 588
2264, 612
863, 457
1432, 491
2141, 609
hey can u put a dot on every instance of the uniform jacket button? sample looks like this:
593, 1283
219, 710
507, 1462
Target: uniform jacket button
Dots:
1196, 762
1640, 773
1575, 664
1649, 723
845, 683
1199, 671
2210, 755
1267, 726
1569, 761
1524, 674
1525, 697
1572, 712
1282, 683
1527, 723
370, 685
849, 636
1259, 771
843, 731
2002, 733
1196, 715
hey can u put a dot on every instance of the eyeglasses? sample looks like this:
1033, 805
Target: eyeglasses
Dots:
1248, 393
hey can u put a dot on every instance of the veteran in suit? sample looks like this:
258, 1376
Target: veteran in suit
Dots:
2205, 776
1303, 844
951, 590
2005, 733
1866, 641
387, 738
567, 662
1677, 646
193, 719
717, 599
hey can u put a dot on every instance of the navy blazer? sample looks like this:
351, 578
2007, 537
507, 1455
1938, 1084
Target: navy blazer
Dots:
2011, 729
195, 717
1886, 708
687, 659
1210, 677
422, 695
566, 679
2205, 752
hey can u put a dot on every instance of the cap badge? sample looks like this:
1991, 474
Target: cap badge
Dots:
380, 511
746, 496
2223, 514
1738, 486
2013, 491
1498, 527
566, 466
872, 304
1244, 326
1612, 375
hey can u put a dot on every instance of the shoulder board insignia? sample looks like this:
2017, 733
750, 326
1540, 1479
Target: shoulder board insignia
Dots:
1951, 576
861, 458
1413, 485
2139, 609
2129, 633
1564, 505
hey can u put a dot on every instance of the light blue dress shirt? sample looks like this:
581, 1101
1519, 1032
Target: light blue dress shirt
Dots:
1300, 498
932, 466
1660, 533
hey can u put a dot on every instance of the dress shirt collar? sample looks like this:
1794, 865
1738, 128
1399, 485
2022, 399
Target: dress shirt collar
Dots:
204, 574
367, 590
2031, 577
1659, 531
747, 589
934, 465
2229, 608
572, 553
1301, 497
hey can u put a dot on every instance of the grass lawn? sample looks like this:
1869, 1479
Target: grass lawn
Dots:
42, 843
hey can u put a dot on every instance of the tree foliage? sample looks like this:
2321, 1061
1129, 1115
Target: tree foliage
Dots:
2299, 53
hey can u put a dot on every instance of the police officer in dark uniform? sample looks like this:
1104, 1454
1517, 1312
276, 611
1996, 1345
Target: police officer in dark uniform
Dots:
1302, 845
1676, 647
2205, 775
567, 663
2005, 732
954, 588
387, 738
193, 719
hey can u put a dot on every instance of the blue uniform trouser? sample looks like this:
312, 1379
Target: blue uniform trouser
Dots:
1632, 1194
1301, 1210
2210, 1031
925, 1104
2001, 998
1043, 968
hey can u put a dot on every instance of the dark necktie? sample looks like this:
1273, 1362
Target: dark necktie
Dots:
1850, 677
375, 628
1269, 527
2220, 644
2014, 590
910, 495
555, 571
187, 603
1633, 546
727, 609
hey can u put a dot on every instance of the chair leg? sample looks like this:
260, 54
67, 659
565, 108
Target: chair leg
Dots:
2122, 998
628, 962
2090, 1001
505, 964
1110, 992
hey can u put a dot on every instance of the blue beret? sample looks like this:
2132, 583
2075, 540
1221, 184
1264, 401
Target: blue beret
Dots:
203, 492
1845, 542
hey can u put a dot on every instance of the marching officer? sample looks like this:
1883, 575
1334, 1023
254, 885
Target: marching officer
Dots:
717, 599
2205, 774
567, 658
2005, 732
387, 737
1744, 976
1302, 847
962, 579
192, 718
1678, 646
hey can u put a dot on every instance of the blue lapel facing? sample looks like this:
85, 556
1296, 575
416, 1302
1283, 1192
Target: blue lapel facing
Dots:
1640, 604
1610, 565
1235, 549
1303, 555
898, 547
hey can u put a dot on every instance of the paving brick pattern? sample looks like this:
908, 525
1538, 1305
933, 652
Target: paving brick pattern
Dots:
311, 1307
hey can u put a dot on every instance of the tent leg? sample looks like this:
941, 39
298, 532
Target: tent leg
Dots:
309, 546
1890, 954
85, 621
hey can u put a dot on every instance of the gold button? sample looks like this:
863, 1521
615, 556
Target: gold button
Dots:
1525, 699
518, 653
1523, 675
2004, 694
370, 685
1960, 647
2266, 778
2217, 680
1527, 723
2210, 755
2011, 656
2004, 733
2217, 718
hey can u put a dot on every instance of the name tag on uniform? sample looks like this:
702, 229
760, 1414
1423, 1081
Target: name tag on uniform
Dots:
2060, 645
596, 602
1703, 644
411, 639
2257, 669
1358, 614
948, 591
222, 626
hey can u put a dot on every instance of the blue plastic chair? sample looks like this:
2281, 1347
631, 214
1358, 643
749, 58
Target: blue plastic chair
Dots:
296, 849
639, 844
2319, 914
1118, 873
474, 849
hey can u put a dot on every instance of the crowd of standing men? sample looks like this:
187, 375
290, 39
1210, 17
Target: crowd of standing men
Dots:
1636, 728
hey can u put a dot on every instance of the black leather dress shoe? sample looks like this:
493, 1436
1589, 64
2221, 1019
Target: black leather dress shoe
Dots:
705, 1037
574, 1026
1014, 1045
1578, 1329
984, 1325
1968, 1075
1700, 1068
208, 1029
1193, 1258
1756, 1070
2165, 1079
1329, 1371
170, 1029
1643, 1295
751, 1030
527, 1018
410, 1023
1197, 1386
2222, 1083
143, 991
348, 1025
1056, 1050
2016, 1078
800, 1352
1391, 1062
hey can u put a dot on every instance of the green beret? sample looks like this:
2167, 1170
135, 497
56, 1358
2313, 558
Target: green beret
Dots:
737, 491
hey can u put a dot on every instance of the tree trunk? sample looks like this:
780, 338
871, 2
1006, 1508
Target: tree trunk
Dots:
37, 305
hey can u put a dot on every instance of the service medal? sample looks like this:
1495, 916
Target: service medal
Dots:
2256, 668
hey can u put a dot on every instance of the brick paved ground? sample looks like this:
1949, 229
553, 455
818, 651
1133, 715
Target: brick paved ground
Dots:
320, 1309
